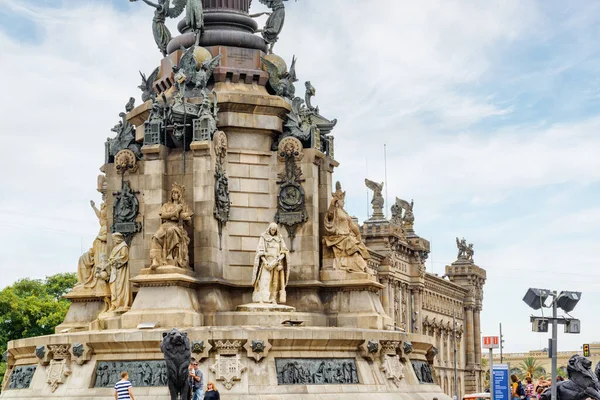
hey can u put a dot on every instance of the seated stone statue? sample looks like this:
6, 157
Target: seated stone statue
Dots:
170, 243
86, 277
271, 273
342, 236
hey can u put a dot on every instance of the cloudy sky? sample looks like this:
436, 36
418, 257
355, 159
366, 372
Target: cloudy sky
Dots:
488, 110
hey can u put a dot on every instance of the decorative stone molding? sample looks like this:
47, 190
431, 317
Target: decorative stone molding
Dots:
222, 198
81, 353
370, 349
58, 359
291, 206
228, 367
201, 349
407, 348
257, 349
390, 361
40, 352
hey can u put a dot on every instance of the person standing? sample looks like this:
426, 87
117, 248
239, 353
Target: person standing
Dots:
211, 392
197, 381
123, 388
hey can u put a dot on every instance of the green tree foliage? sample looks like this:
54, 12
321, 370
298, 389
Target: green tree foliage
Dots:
530, 367
33, 307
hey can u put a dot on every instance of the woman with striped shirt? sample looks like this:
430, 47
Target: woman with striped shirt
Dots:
123, 388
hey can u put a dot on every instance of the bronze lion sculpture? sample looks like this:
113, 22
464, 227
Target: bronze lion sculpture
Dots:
582, 383
175, 346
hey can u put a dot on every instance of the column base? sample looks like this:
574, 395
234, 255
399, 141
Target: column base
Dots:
164, 299
352, 300
83, 310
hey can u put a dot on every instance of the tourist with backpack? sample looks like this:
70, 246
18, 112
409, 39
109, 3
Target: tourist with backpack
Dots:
518, 391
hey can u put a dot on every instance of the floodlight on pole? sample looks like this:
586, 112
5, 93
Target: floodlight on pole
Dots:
567, 301
535, 298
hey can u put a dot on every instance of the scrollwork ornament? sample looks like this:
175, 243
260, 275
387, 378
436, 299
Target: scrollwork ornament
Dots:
222, 198
291, 206
125, 160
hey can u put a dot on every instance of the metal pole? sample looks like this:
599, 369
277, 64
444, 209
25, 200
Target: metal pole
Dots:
554, 346
386, 181
455, 353
491, 374
501, 346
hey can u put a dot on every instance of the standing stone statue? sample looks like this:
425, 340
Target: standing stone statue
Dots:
271, 267
162, 35
377, 201
86, 278
274, 23
342, 236
170, 243
120, 289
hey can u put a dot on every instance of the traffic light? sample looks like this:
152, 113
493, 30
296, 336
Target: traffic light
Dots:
586, 350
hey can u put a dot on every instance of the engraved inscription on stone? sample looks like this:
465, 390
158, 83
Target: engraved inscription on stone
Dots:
316, 371
241, 58
141, 373
423, 371
20, 377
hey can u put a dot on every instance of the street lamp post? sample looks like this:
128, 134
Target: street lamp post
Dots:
554, 345
565, 300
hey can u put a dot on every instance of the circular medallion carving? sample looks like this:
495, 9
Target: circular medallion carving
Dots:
220, 143
290, 146
125, 160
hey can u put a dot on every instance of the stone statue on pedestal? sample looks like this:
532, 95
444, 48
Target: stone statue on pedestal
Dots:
342, 236
377, 201
465, 251
90, 260
271, 267
170, 243
120, 289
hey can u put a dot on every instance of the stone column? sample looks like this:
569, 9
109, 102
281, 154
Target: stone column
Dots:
385, 295
470, 341
477, 335
392, 305
417, 302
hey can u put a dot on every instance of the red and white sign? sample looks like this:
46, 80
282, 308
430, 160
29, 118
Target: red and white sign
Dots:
491, 342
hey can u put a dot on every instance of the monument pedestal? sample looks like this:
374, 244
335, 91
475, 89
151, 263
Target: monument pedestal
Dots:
84, 309
167, 296
266, 314
351, 299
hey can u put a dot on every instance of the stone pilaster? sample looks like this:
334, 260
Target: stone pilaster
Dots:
470, 340
477, 335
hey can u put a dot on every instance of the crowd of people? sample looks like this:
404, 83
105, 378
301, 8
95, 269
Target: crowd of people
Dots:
530, 389
124, 388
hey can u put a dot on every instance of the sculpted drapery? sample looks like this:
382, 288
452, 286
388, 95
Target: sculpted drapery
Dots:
120, 289
271, 268
170, 243
342, 236
90, 261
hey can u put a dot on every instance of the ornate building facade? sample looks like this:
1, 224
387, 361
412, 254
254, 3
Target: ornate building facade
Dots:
446, 308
